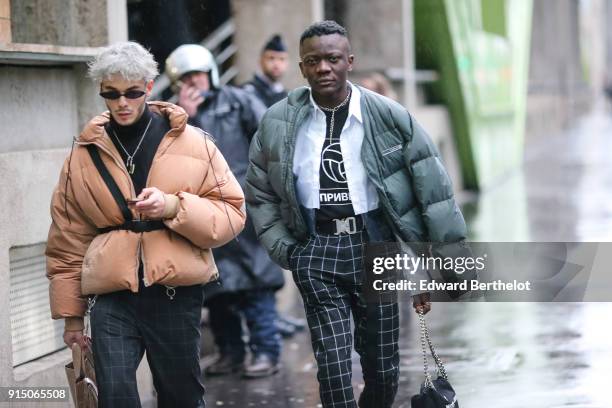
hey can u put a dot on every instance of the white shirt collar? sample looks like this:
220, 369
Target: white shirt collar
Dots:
354, 103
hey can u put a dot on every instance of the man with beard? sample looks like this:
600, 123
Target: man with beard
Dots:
273, 63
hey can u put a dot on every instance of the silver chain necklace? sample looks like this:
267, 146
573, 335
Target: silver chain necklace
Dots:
333, 113
129, 163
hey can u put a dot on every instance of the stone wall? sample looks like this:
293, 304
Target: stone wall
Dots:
60, 22
257, 20
46, 99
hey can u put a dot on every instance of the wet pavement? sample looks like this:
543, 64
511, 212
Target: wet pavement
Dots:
502, 355
563, 191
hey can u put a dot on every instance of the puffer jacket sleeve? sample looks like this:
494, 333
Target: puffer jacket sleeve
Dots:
69, 237
215, 215
433, 189
264, 204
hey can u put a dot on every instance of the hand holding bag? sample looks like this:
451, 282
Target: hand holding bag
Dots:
81, 374
82, 378
436, 393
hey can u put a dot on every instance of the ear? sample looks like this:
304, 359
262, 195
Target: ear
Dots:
301, 65
350, 61
149, 87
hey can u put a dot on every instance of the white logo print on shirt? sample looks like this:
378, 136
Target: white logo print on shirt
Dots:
333, 163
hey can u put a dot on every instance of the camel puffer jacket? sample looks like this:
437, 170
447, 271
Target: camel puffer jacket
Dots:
80, 261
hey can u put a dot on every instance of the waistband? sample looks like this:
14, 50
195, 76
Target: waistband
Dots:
135, 226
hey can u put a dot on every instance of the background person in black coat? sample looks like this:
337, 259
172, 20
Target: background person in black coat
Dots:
273, 63
248, 277
266, 86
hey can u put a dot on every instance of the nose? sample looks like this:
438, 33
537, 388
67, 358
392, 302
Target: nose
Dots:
323, 66
122, 101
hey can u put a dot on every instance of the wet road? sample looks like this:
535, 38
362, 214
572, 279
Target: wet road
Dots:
502, 355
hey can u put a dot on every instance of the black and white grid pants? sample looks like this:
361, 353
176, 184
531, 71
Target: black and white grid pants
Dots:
124, 325
327, 270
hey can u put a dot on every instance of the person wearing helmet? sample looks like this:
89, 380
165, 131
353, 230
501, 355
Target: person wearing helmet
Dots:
248, 277
273, 63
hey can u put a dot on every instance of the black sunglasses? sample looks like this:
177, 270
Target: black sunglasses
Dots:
131, 94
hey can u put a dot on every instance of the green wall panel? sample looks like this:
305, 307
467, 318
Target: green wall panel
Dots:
483, 67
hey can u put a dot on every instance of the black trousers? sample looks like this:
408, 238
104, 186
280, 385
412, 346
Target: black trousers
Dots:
124, 325
328, 272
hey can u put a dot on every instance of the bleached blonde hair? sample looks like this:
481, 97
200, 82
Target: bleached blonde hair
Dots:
128, 59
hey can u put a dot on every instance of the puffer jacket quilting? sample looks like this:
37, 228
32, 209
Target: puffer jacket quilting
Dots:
211, 213
414, 189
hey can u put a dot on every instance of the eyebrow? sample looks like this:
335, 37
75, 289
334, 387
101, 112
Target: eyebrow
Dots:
323, 54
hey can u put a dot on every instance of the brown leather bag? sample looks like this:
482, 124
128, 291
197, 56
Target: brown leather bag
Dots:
82, 378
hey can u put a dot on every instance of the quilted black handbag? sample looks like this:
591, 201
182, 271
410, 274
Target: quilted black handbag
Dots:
436, 393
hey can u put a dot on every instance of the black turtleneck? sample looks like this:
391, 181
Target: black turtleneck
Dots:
130, 136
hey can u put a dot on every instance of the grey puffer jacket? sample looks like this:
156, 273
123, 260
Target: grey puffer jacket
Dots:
414, 189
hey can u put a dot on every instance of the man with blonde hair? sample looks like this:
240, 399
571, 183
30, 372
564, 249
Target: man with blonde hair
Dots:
141, 200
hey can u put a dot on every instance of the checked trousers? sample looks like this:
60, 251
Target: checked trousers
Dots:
124, 325
327, 270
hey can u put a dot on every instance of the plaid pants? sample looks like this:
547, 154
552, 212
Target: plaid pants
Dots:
328, 272
124, 325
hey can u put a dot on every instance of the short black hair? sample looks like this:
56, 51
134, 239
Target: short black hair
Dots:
321, 28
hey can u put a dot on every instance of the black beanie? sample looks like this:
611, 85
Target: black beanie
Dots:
275, 44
